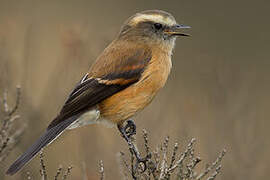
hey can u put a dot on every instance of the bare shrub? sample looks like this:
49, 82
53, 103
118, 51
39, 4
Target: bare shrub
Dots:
166, 163
11, 130
60, 173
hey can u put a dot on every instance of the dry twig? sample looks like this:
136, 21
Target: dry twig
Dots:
163, 166
101, 170
215, 164
8, 135
67, 173
58, 172
43, 172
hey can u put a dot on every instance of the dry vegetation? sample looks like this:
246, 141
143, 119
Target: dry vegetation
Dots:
60, 172
10, 129
162, 164
166, 163
218, 90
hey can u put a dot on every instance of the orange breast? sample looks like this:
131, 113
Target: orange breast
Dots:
133, 99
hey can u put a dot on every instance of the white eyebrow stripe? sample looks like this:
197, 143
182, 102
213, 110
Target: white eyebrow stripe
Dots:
151, 17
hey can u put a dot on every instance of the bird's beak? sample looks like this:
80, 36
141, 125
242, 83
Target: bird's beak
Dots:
176, 30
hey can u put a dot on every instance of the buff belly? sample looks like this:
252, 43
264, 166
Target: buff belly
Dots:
126, 103
117, 108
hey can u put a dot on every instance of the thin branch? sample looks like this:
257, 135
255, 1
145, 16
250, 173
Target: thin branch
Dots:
67, 173
145, 137
58, 172
161, 166
184, 155
18, 97
43, 171
214, 164
214, 175
9, 136
28, 175
6, 107
4, 145
164, 158
101, 170
176, 146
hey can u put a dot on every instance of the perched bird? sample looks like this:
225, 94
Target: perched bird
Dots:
124, 79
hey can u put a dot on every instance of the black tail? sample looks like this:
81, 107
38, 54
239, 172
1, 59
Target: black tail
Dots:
44, 140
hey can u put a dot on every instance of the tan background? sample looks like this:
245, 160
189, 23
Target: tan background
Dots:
218, 91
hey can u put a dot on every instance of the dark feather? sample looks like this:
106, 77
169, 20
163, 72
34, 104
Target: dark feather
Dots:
125, 75
44, 140
86, 96
89, 92
92, 90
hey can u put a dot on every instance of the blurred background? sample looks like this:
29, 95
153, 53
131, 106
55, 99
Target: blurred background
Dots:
218, 90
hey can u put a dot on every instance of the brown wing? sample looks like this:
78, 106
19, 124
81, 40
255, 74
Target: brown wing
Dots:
104, 81
111, 73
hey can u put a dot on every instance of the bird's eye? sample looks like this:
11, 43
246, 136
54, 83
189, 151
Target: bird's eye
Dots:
158, 26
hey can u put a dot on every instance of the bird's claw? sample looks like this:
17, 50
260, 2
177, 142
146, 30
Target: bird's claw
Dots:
127, 132
130, 128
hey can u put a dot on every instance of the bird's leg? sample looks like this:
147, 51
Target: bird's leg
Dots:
127, 132
130, 128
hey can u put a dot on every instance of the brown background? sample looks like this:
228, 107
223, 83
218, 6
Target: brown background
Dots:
218, 91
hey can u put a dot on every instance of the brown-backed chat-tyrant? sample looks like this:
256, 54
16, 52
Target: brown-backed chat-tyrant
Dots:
123, 80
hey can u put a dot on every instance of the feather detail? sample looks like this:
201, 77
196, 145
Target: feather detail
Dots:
47, 138
96, 87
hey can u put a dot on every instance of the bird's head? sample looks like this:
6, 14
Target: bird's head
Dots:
152, 26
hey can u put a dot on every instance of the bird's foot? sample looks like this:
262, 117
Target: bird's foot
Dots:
130, 128
127, 132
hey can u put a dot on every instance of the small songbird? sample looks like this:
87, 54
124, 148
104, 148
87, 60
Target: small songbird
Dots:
124, 79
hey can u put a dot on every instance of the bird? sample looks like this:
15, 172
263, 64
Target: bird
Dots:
122, 81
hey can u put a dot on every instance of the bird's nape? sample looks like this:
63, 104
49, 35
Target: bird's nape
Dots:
123, 80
